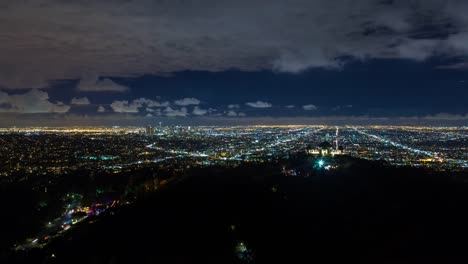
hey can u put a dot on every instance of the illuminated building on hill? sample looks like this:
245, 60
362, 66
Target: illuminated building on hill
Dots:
325, 149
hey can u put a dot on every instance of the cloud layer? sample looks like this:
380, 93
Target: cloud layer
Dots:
121, 38
92, 83
31, 102
134, 106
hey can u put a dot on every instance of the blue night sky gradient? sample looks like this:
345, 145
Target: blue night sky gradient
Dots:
375, 88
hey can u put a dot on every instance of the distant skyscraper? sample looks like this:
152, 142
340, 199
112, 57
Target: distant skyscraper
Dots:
336, 139
149, 130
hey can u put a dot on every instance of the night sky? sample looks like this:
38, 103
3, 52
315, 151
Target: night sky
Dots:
136, 62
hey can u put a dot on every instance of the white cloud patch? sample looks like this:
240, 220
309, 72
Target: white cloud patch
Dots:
290, 106
259, 104
92, 83
134, 106
340, 107
162, 104
187, 101
233, 106
153, 111
214, 112
231, 113
125, 107
157, 112
169, 112
309, 107
101, 109
33, 101
130, 38
199, 111
150, 103
80, 101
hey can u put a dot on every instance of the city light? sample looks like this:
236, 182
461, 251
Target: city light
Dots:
123, 150
321, 163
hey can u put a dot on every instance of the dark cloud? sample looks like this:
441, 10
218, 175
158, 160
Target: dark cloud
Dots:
122, 38
454, 66
80, 101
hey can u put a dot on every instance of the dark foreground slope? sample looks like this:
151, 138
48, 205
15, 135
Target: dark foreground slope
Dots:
362, 211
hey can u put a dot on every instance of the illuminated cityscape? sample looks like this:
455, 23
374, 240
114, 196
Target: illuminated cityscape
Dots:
43, 151
233, 132
47, 157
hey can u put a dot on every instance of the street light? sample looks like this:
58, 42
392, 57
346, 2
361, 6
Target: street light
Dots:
321, 163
